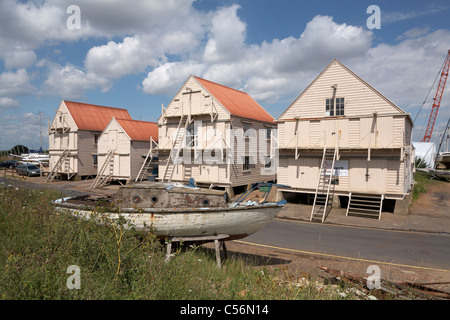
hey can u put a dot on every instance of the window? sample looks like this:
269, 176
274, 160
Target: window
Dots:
96, 136
95, 158
268, 162
329, 107
192, 136
339, 106
332, 110
246, 165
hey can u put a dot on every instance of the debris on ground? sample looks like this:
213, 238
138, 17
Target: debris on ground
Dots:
387, 289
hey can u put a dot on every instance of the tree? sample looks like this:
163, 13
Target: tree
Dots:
19, 149
419, 162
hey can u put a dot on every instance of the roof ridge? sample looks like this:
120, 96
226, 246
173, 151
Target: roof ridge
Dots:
94, 105
220, 85
153, 122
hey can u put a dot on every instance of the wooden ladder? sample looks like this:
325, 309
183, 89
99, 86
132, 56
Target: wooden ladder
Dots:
176, 148
145, 166
57, 168
68, 169
101, 179
322, 194
365, 205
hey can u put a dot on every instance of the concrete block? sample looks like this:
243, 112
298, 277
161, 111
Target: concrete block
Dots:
402, 206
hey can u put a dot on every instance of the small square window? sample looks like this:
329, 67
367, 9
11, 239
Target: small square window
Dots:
334, 107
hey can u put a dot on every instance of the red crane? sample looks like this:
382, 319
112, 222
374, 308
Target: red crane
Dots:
437, 100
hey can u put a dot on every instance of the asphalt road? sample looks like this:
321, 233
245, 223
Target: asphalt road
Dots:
384, 246
26, 184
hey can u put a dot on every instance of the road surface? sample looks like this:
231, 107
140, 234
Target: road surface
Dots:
383, 246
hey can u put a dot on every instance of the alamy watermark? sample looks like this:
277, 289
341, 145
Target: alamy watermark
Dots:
234, 146
374, 21
374, 279
74, 281
73, 22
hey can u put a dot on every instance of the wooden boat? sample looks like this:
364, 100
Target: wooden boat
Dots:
441, 174
436, 173
444, 158
171, 210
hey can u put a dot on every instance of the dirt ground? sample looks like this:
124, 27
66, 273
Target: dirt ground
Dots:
435, 202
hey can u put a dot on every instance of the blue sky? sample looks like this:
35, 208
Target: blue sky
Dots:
136, 54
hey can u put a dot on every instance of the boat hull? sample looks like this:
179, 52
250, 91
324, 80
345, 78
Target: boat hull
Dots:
236, 222
444, 158
441, 174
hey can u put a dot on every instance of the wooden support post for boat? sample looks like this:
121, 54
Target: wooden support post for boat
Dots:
169, 249
217, 247
218, 242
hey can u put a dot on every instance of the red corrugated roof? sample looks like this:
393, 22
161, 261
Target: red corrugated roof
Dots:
139, 130
94, 117
238, 103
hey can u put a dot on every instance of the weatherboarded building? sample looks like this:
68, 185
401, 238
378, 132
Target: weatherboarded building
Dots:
217, 135
340, 121
122, 148
73, 137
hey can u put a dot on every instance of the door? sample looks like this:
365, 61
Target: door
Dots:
303, 173
368, 176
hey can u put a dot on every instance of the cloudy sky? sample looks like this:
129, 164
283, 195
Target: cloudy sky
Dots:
137, 53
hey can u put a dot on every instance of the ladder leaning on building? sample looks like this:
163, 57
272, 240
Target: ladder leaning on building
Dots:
147, 162
57, 168
322, 194
177, 146
104, 176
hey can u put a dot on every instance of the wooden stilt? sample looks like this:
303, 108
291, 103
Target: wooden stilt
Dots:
218, 242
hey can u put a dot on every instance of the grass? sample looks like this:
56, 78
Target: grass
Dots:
38, 245
421, 182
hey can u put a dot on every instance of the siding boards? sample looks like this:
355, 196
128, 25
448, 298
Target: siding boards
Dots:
315, 134
282, 172
354, 133
394, 176
200, 103
398, 131
359, 97
303, 133
384, 132
366, 132
86, 150
368, 176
